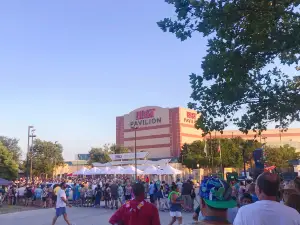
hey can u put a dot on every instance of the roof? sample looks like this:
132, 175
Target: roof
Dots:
131, 162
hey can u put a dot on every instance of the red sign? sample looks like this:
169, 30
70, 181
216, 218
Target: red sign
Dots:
191, 115
145, 114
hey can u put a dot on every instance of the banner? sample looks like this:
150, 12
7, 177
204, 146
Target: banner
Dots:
127, 156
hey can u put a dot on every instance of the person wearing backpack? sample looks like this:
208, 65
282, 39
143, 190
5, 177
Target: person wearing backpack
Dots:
136, 211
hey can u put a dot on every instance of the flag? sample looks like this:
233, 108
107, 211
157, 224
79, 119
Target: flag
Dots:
205, 148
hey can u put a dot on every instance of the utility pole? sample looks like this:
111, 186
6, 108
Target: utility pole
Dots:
28, 152
135, 157
31, 152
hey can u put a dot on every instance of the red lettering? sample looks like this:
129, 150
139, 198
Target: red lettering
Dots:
191, 115
144, 114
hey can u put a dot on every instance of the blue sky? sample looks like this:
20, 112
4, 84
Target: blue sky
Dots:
70, 67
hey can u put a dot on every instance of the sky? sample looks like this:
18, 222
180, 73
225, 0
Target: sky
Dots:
70, 67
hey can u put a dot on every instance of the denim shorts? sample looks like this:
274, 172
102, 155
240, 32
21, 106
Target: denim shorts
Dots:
61, 211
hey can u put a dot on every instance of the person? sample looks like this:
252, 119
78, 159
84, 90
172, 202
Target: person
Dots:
114, 194
193, 196
45, 196
128, 190
175, 205
107, 195
186, 192
98, 195
251, 191
297, 184
146, 186
215, 200
61, 203
179, 184
267, 210
196, 213
288, 190
28, 195
151, 192
246, 199
136, 211
294, 202
120, 193
56, 188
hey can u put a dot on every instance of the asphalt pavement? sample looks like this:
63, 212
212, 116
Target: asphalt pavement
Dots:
77, 216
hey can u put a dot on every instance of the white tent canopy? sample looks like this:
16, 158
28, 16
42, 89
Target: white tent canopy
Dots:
116, 170
94, 171
82, 171
169, 170
131, 170
152, 170
105, 170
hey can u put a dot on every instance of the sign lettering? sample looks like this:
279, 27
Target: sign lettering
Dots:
144, 118
190, 117
145, 114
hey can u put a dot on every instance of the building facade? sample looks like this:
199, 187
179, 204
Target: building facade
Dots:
162, 131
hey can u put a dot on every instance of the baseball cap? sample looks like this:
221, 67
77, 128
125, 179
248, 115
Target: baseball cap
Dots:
216, 193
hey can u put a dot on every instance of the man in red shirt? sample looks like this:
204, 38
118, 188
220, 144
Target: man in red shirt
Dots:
136, 211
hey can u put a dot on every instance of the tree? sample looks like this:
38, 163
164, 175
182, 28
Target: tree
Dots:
244, 36
98, 155
12, 145
280, 156
45, 156
230, 154
8, 166
115, 149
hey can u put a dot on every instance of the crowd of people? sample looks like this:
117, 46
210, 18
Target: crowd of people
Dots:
106, 192
267, 200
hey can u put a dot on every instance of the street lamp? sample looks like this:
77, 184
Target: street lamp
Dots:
135, 160
31, 152
28, 150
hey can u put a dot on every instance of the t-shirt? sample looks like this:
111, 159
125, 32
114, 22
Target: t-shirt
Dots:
60, 203
266, 212
136, 213
38, 193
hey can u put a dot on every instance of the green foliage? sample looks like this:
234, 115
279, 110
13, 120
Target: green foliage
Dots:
12, 145
231, 151
244, 36
45, 156
280, 156
8, 166
98, 155
115, 149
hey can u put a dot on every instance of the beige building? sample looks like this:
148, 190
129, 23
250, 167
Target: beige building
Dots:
162, 131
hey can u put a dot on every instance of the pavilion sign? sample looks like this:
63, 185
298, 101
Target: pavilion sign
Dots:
145, 118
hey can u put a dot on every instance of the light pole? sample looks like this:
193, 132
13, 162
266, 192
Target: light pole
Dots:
135, 160
31, 152
28, 149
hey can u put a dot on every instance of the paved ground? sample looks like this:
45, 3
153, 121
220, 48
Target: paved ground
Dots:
78, 216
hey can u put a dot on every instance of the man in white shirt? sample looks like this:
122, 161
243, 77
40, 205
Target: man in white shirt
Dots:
267, 210
61, 204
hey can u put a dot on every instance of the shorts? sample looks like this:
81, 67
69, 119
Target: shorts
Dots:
175, 214
61, 211
127, 197
44, 199
54, 198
